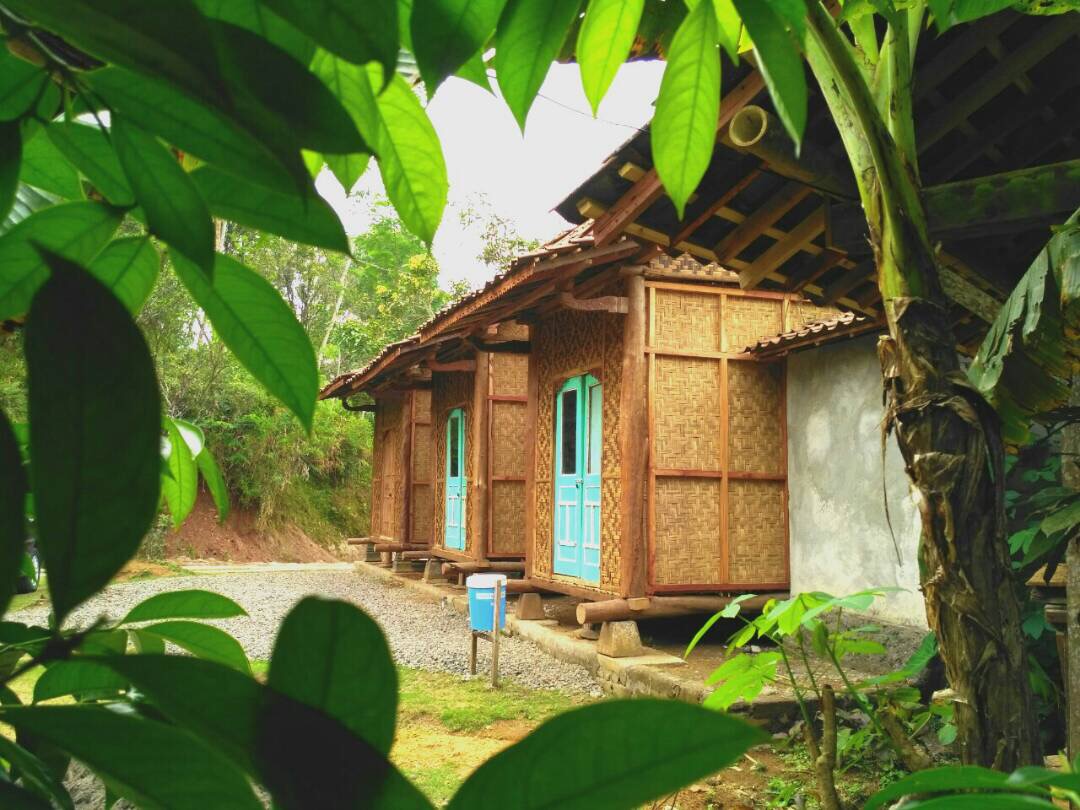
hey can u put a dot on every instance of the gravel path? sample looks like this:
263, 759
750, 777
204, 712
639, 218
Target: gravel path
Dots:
422, 634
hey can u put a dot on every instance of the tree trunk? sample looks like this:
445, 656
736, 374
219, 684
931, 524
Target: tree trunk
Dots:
950, 441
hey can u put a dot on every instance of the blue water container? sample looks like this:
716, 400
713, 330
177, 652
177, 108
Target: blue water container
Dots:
481, 601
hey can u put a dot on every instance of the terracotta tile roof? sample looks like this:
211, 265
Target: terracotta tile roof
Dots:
847, 324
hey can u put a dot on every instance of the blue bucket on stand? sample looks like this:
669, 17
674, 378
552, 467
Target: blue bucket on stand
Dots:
482, 601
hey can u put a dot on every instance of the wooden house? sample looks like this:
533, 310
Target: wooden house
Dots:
448, 472
663, 446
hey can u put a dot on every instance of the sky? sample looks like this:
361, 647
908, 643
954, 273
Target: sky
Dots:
522, 177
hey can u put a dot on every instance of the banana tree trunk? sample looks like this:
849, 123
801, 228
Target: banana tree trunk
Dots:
950, 441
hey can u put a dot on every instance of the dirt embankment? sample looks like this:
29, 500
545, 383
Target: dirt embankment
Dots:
239, 539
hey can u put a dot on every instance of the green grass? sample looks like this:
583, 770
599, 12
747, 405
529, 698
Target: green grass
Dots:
21, 601
464, 707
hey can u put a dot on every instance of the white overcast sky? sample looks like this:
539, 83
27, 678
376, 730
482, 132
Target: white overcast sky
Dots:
523, 177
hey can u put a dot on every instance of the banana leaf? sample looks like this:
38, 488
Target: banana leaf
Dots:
1028, 359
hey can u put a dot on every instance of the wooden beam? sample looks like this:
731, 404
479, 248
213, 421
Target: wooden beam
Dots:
662, 607
755, 131
606, 303
529, 439
633, 451
477, 499
847, 282
763, 216
649, 189
455, 365
1045, 40
732, 191
500, 346
829, 259
806, 231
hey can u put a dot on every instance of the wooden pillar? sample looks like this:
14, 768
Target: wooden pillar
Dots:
477, 502
532, 405
407, 417
633, 445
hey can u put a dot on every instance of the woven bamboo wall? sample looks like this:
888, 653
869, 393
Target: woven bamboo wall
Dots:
566, 344
451, 390
718, 452
387, 476
508, 385
421, 504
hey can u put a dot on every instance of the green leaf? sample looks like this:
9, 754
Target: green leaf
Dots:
75, 677
308, 219
936, 780
446, 34
147, 643
348, 168
170, 41
194, 127
180, 487
192, 435
259, 328
190, 604
15, 798
129, 268
405, 142
21, 83
331, 656
88, 149
729, 27
688, 107
1062, 519
35, 775
527, 39
779, 58
305, 757
10, 165
215, 482
45, 168
360, 33
662, 746
12, 521
475, 71
983, 801
175, 212
604, 40
1027, 359
256, 17
270, 89
95, 449
153, 764
203, 641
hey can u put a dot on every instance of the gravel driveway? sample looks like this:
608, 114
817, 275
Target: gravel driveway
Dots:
421, 634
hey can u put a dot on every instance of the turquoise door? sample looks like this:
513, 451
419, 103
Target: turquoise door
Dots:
578, 433
455, 480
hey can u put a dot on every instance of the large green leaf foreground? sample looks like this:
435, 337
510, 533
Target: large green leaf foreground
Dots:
1028, 359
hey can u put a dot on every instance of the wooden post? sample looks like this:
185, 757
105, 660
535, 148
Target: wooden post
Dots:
633, 445
495, 634
477, 500
407, 418
532, 404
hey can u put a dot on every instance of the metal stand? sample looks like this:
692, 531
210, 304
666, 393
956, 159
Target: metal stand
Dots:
493, 637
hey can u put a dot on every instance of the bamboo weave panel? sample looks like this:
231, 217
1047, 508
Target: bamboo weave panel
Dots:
509, 374
687, 547
511, 330
421, 513
755, 407
757, 532
687, 321
421, 454
421, 405
686, 414
747, 320
568, 343
508, 439
508, 517
801, 313
451, 390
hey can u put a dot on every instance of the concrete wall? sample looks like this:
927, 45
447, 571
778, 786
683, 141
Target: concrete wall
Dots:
840, 540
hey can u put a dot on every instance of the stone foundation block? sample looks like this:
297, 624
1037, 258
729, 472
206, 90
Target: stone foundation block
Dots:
619, 640
530, 607
433, 570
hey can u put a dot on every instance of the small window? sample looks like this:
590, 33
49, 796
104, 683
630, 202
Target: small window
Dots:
569, 432
596, 411
455, 450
